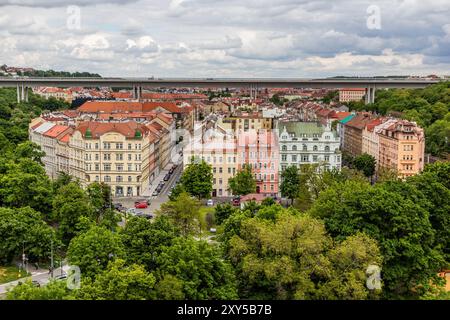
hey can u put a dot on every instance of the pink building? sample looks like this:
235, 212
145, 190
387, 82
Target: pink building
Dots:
260, 150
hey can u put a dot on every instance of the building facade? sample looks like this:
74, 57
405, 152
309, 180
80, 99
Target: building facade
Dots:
351, 94
308, 143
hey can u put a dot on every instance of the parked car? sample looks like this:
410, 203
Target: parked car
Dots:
117, 206
236, 201
133, 211
146, 215
141, 205
210, 202
142, 200
155, 193
166, 177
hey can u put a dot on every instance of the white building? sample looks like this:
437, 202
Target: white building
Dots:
308, 143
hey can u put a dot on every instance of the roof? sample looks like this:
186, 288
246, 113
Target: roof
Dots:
93, 106
44, 127
341, 115
347, 119
65, 138
373, 123
55, 131
359, 121
97, 129
299, 128
169, 106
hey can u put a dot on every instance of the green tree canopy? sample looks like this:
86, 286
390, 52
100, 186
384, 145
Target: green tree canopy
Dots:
290, 183
197, 179
94, 249
243, 182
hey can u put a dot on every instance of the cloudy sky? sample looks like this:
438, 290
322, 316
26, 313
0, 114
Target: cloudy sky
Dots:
228, 38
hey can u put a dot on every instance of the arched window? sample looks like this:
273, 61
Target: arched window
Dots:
327, 149
284, 148
305, 148
294, 148
315, 148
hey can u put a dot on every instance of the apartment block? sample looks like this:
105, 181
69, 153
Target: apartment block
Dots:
308, 143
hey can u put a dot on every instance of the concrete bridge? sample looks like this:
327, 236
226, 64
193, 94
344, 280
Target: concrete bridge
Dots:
137, 84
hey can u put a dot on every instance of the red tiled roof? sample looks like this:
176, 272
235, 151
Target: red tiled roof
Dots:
37, 125
110, 106
373, 123
65, 138
359, 121
55, 131
97, 129
341, 115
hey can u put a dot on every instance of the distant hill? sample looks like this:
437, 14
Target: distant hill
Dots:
30, 72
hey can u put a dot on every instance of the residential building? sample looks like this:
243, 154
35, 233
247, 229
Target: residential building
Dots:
353, 134
370, 139
401, 147
260, 150
217, 147
351, 94
308, 143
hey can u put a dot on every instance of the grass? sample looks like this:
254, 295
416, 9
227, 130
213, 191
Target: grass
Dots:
203, 212
11, 273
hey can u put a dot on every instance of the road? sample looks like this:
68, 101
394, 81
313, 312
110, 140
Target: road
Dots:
155, 201
42, 276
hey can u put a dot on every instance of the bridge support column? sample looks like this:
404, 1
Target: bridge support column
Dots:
18, 93
137, 92
370, 95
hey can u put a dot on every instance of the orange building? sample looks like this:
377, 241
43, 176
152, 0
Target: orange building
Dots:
351, 94
401, 147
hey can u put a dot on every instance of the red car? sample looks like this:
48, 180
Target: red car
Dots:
236, 201
141, 205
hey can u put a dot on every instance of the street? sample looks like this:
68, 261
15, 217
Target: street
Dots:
155, 201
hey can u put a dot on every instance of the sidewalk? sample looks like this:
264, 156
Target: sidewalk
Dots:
40, 275
151, 187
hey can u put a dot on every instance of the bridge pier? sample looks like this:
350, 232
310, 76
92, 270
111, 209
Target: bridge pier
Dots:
370, 95
22, 93
253, 91
137, 92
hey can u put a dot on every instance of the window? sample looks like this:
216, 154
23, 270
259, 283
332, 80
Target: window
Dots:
106, 145
119, 167
284, 148
283, 157
305, 148
97, 178
315, 148
119, 179
107, 166
130, 179
294, 148
315, 158
119, 157
327, 158
97, 167
107, 179
129, 146
327, 149
305, 158
220, 170
294, 158
119, 145
106, 156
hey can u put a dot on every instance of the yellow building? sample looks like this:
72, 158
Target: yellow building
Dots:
401, 147
218, 148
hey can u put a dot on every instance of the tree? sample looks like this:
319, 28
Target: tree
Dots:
169, 288
92, 250
118, 282
200, 267
54, 290
365, 163
290, 183
143, 240
23, 183
223, 211
29, 150
21, 229
183, 212
100, 199
197, 179
243, 182
292, 257
70, 203
396, 216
